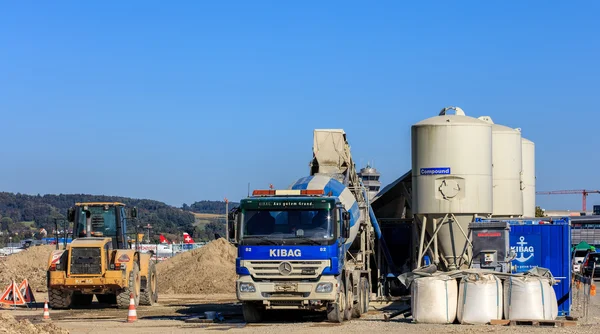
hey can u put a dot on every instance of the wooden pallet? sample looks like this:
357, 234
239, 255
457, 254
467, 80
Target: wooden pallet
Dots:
535, 323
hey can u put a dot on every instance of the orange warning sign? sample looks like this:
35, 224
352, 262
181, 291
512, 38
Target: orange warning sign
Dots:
12, 295
26, 292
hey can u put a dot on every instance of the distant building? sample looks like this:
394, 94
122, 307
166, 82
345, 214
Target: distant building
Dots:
571, 213
370, 178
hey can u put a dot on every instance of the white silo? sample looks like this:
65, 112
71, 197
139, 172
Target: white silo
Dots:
528, 185
452, 182
506, 171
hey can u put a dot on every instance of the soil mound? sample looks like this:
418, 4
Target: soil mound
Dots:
208, 269
30, 264
8, 324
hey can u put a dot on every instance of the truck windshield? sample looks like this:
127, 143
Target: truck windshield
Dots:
289, 224
104, 222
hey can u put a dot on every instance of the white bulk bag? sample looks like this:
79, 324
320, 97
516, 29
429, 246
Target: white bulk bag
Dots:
531, 298
434, 299
479, 299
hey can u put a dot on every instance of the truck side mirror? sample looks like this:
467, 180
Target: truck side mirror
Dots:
346, 225
71, 215
231, 230
134, 212
232, 218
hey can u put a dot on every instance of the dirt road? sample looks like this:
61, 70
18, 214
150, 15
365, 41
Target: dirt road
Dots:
176, 313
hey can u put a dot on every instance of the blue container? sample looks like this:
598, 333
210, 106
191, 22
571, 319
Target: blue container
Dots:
547, 246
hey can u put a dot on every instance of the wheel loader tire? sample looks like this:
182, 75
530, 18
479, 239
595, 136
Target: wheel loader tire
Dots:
252, 312
59, 299
335, 311
109, 299
133, 287
150, 294
81, 300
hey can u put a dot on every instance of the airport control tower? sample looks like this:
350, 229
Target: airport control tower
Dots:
370, 178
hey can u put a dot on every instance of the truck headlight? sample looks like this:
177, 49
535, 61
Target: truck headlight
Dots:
247, 287
324, 287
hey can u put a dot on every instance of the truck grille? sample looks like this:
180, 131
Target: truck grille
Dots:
273, 269
86, 261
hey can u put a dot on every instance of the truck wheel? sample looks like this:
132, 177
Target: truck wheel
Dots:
109, 299
81, 300
252, 312
357, 308
349, 303
365, 290
150, 294
133, 287
335, 311
59, 299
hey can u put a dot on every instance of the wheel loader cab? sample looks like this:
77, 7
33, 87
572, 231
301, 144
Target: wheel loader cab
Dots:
101, 220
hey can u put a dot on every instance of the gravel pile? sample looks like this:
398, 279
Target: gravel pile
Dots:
8, 324
209, 269
30, 264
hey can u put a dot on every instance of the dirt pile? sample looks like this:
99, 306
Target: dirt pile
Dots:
8, 324
208, 269
30, 263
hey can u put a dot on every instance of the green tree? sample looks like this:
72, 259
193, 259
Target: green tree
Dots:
539, 212
6, 223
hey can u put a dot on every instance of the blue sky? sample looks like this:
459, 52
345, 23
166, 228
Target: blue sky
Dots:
192, 100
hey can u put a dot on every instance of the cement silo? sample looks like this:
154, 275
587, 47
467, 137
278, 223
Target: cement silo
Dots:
528, 184
452, 182
506, 171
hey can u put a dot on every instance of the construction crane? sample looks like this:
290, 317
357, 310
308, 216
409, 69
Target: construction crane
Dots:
584, 193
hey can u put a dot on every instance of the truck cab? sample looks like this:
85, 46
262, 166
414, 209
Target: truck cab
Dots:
290, 253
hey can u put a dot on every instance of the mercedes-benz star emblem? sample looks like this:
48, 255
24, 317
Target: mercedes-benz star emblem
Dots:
285, 268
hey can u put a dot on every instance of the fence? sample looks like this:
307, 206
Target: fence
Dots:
162, 252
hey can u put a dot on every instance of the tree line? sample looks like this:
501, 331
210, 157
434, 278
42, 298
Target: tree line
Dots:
215, 207
43, 210
168, 220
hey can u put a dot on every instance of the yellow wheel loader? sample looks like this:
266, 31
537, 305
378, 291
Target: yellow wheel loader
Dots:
100, 262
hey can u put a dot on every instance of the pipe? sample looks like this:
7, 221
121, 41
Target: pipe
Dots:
374, 223
386, 252
422, 241
435, 243
88, 220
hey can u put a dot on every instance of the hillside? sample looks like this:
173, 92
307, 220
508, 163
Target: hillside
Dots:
214, 207
41, 210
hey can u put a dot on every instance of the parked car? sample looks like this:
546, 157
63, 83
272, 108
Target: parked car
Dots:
588, 265
578, 258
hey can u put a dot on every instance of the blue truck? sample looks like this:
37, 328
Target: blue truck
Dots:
310, 246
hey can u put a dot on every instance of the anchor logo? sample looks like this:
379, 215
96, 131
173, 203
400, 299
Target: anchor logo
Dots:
522, 248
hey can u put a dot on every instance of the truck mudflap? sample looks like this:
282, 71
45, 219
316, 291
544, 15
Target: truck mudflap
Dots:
288, 294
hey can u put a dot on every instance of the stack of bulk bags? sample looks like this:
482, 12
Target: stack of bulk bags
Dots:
480, 299
529, 297
434, 299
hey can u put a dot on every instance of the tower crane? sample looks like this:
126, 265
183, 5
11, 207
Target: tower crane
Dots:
583, 192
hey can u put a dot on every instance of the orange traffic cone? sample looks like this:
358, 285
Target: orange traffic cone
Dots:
46, 312
593, 290
132, 316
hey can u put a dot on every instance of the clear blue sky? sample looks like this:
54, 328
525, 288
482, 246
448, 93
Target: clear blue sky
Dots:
192, 100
